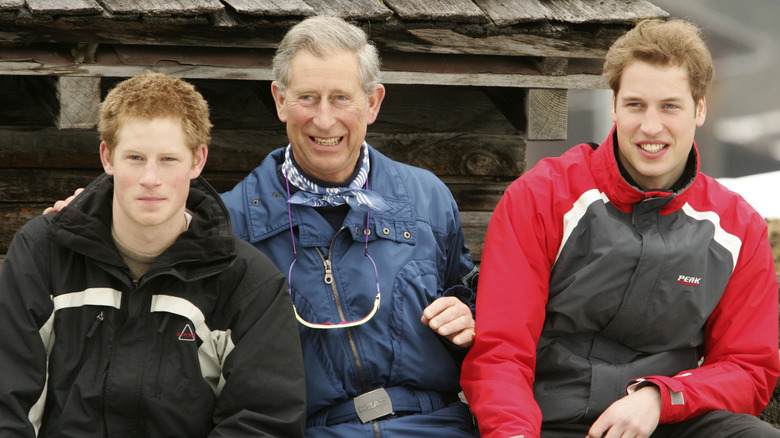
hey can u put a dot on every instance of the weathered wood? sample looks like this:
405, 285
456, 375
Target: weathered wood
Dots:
352, 9
455, 153
7, 5
506, 13
83, 52
64, 7
39, 68
415, 109
271, 7
12, 217
547, 112
42, 185
48, 148
602, 11
475, 225
450, 41
162, 7
79, 99
442, 10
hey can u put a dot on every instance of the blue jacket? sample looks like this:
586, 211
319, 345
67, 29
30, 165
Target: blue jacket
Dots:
420, 254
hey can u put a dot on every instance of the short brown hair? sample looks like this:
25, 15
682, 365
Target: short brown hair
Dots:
155, 95
674, 42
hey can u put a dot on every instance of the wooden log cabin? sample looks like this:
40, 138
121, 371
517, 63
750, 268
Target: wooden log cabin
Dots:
469, 82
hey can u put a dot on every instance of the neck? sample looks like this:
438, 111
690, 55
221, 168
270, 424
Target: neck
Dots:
149, 239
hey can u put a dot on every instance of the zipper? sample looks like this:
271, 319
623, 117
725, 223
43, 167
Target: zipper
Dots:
161, 356
328, 279
91, 332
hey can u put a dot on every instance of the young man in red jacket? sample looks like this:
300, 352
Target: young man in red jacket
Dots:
623, 292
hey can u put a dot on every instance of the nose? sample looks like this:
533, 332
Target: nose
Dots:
150, 176
324, 118
651, 122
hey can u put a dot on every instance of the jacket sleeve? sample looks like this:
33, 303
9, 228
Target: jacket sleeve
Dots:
740, 367
25, 308
461, 276
498, 372
264, 393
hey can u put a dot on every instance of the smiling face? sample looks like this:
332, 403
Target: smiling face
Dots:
656, 118
326, 112
152, 168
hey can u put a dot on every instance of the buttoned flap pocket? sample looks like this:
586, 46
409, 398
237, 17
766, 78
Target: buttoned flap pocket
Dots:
396, 230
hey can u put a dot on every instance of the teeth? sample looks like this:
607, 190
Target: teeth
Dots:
327, 141
652, 148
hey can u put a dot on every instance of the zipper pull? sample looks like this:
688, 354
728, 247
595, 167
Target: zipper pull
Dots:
328, 272
95, 324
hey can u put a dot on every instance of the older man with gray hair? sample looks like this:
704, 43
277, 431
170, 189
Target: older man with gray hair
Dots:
378, 269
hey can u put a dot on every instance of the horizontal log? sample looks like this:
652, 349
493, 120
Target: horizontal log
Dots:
474, 228
12, 217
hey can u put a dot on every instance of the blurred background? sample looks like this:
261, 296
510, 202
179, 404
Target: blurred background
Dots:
742, 133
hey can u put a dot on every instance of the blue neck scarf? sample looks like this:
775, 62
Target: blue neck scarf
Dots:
314, 195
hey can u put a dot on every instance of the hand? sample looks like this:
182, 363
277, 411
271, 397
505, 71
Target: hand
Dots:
451, 318
59, 205
633, 416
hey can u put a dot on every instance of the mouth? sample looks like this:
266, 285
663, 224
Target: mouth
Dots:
333, 141
652, 148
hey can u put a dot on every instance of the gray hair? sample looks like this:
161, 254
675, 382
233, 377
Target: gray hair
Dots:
322, 36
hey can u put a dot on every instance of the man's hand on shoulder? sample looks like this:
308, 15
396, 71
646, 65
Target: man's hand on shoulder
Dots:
451, 318
59, 205
633, 416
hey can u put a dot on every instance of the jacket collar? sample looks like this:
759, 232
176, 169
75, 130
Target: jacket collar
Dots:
266, 201
623, 194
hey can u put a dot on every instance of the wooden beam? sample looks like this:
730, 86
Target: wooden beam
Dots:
475, 225
10, 5
464, 11
34, 68
271, 7
506, 13
64, 7
79, 99
352, 9
547, 112
162, 7
521, 44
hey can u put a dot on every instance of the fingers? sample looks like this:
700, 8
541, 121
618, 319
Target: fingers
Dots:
59, 205
451, 318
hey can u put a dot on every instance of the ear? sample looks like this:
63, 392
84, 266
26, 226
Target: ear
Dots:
374, 102
105, 158
279, 99
701, 112
612, 108
199, 160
